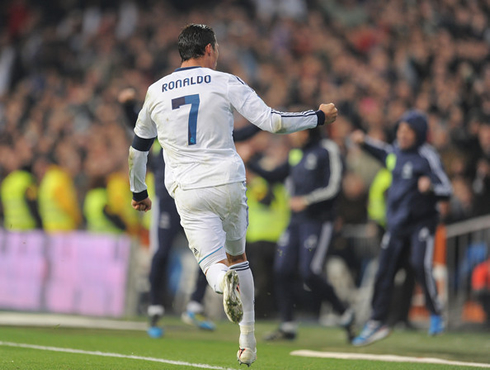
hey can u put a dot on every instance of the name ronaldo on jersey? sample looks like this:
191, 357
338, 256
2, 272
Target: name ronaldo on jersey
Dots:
194, 80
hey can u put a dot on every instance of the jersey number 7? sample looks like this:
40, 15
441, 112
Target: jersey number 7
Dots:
193, 100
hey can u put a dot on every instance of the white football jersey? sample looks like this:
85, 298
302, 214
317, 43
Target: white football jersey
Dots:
191, 113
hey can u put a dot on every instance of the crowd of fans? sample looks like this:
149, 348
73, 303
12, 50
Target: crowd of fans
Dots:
63, 64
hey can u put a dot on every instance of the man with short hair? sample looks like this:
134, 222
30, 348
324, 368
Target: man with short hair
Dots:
191, 113
418, 184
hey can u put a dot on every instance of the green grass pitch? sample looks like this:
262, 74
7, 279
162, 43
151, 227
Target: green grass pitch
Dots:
184, 347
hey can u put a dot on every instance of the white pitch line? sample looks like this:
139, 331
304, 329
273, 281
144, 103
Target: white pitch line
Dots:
109, 354
386, 358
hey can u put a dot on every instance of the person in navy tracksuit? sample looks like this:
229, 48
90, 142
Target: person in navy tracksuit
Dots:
314, 173
419, 183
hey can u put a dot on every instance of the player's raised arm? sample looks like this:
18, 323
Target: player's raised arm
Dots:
244, 99
376, 148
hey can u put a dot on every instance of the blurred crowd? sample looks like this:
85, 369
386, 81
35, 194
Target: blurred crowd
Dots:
63, 64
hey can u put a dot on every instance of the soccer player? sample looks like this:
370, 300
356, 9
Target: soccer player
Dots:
191, 112
165, 226
313, 172
418, 184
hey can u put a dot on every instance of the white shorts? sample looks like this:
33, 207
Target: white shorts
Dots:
215, 221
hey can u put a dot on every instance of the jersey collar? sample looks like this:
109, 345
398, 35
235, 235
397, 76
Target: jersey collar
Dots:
186, 68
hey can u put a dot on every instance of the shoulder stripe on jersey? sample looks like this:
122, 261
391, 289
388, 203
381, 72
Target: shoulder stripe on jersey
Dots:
240, 80
444, 188
143, 145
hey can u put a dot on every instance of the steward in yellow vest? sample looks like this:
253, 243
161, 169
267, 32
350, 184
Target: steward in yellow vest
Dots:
58, 202
97, 215
268, 210
119, 201
18, 192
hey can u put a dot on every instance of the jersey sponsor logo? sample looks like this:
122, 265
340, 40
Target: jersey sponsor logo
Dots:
311, 162
407, 170
311, 242
194, 80
424, 233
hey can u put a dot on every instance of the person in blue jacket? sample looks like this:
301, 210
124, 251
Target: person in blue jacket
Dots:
419, 183
313, 174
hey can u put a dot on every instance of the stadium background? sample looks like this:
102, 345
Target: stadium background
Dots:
63, 64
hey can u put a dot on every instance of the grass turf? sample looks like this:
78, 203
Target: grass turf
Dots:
187, 344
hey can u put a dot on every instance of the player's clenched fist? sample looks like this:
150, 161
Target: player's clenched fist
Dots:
330, 112
143, 205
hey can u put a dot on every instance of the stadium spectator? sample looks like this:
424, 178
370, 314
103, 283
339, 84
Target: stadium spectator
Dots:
58, 203
96, 211
418, 184
19, 196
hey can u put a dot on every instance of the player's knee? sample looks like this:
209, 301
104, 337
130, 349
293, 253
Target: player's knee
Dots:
233, 260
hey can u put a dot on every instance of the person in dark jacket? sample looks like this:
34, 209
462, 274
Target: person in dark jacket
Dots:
418, 184
313, 174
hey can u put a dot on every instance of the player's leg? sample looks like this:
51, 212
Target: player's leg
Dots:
202, 212
235, 222
194, 312
247, 352
422, 248
376, 328
315, 238
402, 293
164, 228
285, 267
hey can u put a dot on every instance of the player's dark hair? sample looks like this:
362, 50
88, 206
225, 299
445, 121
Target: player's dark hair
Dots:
193, 40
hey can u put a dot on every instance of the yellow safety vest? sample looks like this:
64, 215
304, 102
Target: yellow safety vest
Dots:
147, 216
93, 208
119, 201
377, 192
58, 204
14, 189
266, 221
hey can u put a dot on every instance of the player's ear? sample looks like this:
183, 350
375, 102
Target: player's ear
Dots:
208, 49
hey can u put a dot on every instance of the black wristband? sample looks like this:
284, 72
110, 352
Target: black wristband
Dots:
321, 117
140, 196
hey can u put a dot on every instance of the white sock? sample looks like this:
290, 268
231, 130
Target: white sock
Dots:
215, 275
289, 327
194, 307
155, 310
247, 294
